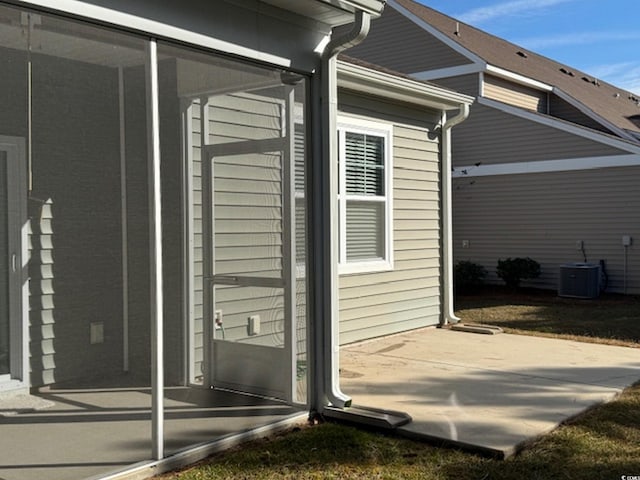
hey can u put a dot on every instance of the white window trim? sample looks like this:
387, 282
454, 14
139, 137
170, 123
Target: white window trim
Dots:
365, 126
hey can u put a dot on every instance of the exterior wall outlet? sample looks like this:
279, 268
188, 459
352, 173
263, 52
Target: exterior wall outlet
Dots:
465, 243
217, 324
627, 240
579, 244
254, 325
97, 333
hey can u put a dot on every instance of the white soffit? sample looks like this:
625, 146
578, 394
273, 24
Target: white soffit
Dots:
331, 12
516, 77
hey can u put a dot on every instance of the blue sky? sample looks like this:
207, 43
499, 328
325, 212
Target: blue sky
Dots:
599, 37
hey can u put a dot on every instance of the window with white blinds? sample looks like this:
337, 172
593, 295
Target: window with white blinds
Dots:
364, 195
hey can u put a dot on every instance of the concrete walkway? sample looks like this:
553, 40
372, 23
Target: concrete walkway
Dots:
489, 392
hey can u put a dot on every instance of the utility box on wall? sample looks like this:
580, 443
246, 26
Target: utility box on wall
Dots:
579, 280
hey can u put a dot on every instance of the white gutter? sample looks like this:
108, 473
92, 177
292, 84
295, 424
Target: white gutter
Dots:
381, 84
447, 218
327, 378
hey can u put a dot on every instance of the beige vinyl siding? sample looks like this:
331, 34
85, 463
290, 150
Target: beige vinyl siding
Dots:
408, 297
394, 41
467, 84
564, 110
491, 136
543, 215
515, 94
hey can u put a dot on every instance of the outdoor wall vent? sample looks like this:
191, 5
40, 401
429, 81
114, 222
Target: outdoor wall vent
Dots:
579, 280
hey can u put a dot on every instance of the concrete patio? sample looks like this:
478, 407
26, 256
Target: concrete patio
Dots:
492, 393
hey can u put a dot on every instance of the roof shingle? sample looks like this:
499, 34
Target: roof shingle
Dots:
618, 106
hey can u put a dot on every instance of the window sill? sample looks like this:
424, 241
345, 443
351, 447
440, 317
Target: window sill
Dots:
374, 266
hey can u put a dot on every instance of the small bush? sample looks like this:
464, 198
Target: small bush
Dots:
468, 276
512, 270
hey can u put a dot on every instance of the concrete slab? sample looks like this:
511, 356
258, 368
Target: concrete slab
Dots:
490, 392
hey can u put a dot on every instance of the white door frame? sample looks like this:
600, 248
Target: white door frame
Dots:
18, 264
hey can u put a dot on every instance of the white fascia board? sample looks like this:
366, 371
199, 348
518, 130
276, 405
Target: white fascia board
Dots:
449, 72
590, 113
516, 77
547, 166
562, 125
156, 29
385, 85
372, 7
436, 33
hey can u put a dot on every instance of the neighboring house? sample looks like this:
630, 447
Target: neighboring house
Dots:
548, 164
169, 203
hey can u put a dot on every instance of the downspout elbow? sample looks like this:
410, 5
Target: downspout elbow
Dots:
461, 116
447, 206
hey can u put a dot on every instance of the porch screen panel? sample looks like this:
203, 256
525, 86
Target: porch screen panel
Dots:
232, 141
4, 268
75, 95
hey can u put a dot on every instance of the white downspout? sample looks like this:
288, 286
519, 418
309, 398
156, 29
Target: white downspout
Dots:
329, 347
447, 218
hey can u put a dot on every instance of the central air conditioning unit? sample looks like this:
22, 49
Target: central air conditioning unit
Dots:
579, 280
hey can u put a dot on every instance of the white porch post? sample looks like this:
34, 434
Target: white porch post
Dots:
155, 253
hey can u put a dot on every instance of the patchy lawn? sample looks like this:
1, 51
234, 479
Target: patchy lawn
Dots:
611, 319
603, 443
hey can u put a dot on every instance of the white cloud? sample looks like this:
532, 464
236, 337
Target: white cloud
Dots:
576, 38
624, 75
510, 8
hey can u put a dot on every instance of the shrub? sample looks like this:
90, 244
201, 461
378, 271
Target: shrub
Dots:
468, 276
512, 270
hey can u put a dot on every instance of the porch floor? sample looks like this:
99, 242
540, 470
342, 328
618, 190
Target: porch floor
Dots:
85, 432
491, 393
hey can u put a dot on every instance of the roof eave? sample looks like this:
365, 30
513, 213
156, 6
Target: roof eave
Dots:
385, 85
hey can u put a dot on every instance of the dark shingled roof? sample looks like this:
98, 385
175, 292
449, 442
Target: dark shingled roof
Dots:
618, 106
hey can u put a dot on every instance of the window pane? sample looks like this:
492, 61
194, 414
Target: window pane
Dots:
364, 169
365, 230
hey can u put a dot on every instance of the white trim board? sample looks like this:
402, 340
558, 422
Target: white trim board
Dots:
466, 69
547, 166
516, 77
561, 125
153, 28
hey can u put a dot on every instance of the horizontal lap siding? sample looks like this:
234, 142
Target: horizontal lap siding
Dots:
467, 84
515, 94
394, 40
408, 297
542, 216
491, 137
564, 110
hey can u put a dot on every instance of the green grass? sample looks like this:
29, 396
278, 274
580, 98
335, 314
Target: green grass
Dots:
601, 444
610, 319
